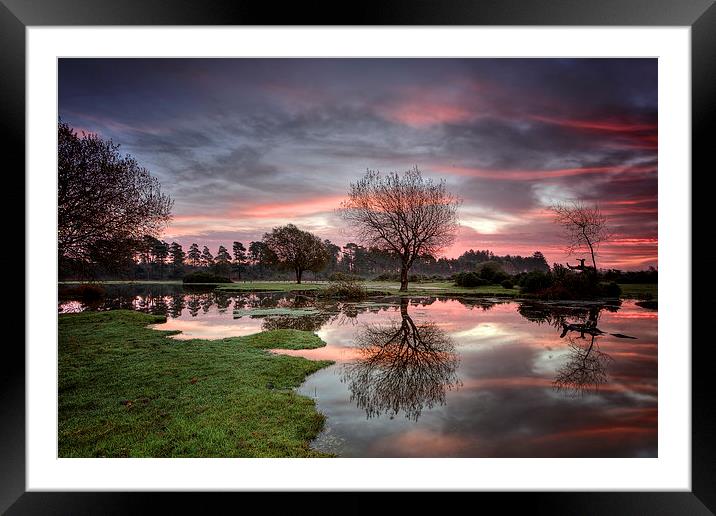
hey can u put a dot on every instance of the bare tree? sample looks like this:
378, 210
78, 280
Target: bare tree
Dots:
401, 367
103, 197
584, 227
295, 249
585, 368
406, 215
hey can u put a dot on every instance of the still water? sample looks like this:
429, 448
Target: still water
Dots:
449, 377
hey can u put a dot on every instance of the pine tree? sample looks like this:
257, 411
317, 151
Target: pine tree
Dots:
223, 261
194, 255
207, 259
176, 255
239, 258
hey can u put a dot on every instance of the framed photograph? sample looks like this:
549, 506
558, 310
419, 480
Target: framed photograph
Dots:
420, 249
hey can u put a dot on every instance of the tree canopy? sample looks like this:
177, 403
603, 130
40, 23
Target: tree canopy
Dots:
584, 227
106, 200
296, 249
407, 215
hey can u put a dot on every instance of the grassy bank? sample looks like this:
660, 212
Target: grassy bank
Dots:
444, 288
437, 287
125, 282
639, 290
270, 286
129, 391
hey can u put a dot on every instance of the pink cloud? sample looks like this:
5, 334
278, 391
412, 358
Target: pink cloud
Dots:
420, 107
290, 208
522, 175
419, 114
609, 125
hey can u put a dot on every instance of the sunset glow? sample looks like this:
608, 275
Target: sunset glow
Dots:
243, 145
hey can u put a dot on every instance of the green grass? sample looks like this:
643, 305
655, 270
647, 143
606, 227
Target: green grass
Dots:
129, 391
130, 282
437, 287
629, 291
444, 288
639, 290
270, 286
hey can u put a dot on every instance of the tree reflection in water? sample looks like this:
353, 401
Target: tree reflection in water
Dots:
585, 369
402, 367
311, 323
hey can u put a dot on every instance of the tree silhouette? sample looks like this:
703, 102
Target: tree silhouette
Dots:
296, 250
261, 256
333, 252
584, 227
207, 259
223, 261
402, 367
406, 215
177, 256
194, 255
103, 198
161, 253
239, 257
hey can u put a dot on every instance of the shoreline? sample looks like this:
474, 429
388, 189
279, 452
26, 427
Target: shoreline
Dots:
126, 390
635, 291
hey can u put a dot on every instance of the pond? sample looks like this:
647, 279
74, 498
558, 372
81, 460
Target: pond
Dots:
448, 377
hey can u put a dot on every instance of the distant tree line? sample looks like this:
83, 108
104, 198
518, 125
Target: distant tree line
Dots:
651, 275
156, 259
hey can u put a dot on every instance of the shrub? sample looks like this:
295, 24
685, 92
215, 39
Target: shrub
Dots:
499, 277
535, 281
387, 276
571, 285
491, 271
469, 279
561, 283
204, 277
343, 276
507, 283
611, 289
346, 289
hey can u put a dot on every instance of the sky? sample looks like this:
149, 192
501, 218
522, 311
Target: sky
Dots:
244, 145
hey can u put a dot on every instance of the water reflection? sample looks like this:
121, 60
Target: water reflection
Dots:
304, 323
401, 367
465, 377
585, 368
558, 314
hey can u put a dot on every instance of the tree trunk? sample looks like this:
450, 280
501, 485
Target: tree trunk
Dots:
404, 277
594, 262
404, 307
299, 273
591, 249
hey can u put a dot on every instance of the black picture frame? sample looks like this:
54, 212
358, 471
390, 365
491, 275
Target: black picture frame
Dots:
699, 15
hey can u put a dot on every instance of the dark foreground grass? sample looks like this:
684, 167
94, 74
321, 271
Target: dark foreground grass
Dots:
129, 391
639, 290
